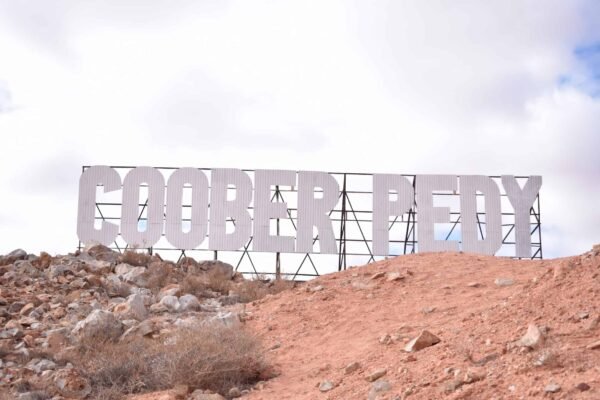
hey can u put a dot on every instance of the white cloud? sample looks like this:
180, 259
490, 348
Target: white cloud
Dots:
401, 87
5, 98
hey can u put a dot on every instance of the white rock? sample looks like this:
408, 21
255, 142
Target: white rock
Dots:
135, 276
189, 302
503, 282
228, 319
552, 388
171, 303
532, 338
132, 308
100, 325
122, 269
98, 266
378, 387
326, 386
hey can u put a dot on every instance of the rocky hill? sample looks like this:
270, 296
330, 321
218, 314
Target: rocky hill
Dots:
103, 325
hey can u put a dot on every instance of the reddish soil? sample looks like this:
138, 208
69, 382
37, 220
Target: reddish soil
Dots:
314, 334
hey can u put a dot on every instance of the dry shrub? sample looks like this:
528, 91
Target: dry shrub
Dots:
218, 281
194, 284
214, 358
159, 275
256, 289
214, 279
134, 258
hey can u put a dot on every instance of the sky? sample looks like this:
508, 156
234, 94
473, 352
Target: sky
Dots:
407, 87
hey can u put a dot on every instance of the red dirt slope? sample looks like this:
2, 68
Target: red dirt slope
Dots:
360, 316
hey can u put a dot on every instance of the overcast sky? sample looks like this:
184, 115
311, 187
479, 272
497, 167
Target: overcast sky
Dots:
459, 87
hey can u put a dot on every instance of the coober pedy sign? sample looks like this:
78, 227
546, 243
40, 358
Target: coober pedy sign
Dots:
252, 209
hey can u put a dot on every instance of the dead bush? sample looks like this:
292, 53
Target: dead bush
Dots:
218, 281
159, 274
134, 258
256, 289
214, 358
193, 284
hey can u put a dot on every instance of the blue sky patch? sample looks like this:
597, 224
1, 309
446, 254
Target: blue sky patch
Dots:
589, 56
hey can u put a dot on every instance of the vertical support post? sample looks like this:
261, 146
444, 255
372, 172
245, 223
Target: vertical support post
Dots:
410, 229
342, 249
278, 254
539, 221
215, 255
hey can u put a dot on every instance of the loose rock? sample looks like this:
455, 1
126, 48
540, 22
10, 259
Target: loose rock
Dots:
583, 387
350, 368
425, 339
373, 376
552, 388
532, 338
98, 325
504, 282
326, 386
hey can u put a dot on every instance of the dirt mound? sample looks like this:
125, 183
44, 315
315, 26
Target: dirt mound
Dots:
345, 335
98, 324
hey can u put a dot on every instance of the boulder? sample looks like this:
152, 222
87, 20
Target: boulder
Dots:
132, 308
169, 290
98, 266
57, 270
102, 253
115, 287
101, 325
189, 302
17, 254
171, 303
229, 319
136, 276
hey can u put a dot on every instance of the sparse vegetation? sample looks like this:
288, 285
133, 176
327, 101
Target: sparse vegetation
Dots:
218, 281
256, 289
135, 258
214, 358
193, 284
159, 275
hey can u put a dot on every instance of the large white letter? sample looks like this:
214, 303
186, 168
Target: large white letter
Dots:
469, 186
237, 209
383, 208
92, 177
199, 219
428, 215
314, 212
265, 210
522, 201
155, 206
